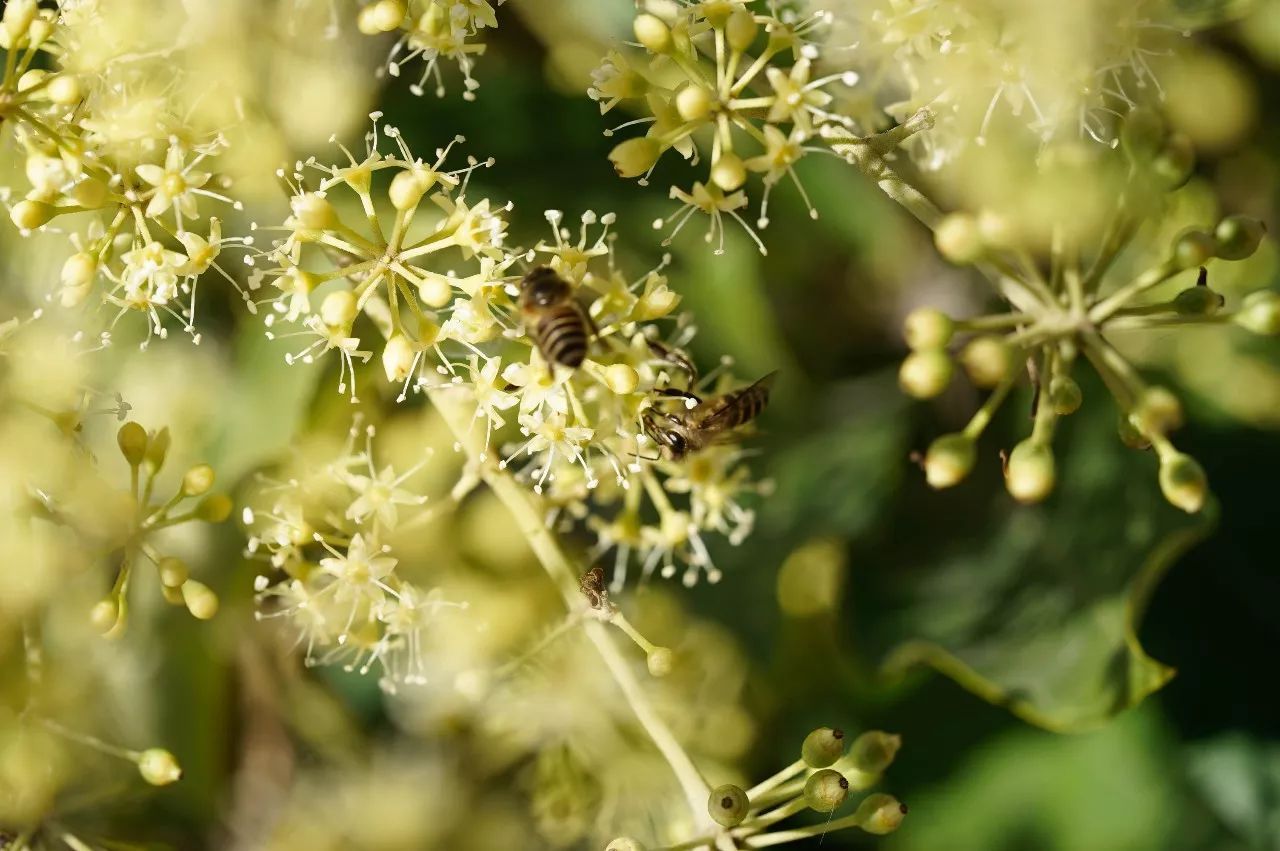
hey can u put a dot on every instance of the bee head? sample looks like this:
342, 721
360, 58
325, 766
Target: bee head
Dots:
543, 287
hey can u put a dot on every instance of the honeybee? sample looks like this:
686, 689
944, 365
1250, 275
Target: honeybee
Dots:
592, 587
559, 325
708, 421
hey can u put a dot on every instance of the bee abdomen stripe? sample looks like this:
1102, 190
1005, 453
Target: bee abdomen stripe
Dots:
563, 336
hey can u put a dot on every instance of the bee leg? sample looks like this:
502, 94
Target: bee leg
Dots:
678, 394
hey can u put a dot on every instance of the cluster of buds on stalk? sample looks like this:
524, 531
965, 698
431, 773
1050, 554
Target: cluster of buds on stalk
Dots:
1077, 307
432, 31
821, 780
741, 74
453, 309
111, 161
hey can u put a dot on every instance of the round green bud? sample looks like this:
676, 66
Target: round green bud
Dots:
652, 32
214, 508
79, 270
197, 480
18, 17
398, 358
31, 79
660, 661
104, 614
173, 572
949, 459
879, 814
1183, 482
40, 30
1029, 475
728, 172
874, 750
338, 310
1157, 411
987, 360
1065, 395
406, 190
634, 157
435, 291
926, 374
1175, 161
132, 440
624, 843
387, 15
825, 790
65, 89
313, 211
822, 747
728, 805
29, 215
1260, 313
621, 378
959, 239
1238, 237
90, 192
694, 102
1198, 301
200, 599
158, 767
996, 229
1143, 134
740, 29
1129, 434
927, 328
1193, 248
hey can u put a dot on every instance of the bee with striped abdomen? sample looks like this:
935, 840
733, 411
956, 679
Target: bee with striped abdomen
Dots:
559, 326
708, 421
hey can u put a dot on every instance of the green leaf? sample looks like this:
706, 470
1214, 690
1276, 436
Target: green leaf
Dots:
1239, 778
1037, 609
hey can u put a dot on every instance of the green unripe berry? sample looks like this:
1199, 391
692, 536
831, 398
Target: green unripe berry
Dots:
634, 157
874, 750
927, 328
1183, 482
197, 480
728, 805
1198, 301
173, 572
987, 360
1193, 248
1260, 313
652, 32
879, 814
949, 459
1029, 475
132, 440
694, 102
200, 599
959, 240
740, 29
822, 747
406, 190
1238, 237
926, 374
1175, 161
825, 790
158, 767
728, 172
214, 508
1065, 395
1142, 134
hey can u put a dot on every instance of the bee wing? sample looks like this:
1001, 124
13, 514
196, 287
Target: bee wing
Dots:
721, 413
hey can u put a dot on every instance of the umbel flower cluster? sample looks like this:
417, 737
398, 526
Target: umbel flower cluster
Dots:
113, 161
1075, 309
430, 32
431, 287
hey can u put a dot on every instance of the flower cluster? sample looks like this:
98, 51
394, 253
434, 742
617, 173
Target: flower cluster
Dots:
332, 574
1063, 70
431, 31
112, 161
1077, 306
820, 780
741, 75
590, 429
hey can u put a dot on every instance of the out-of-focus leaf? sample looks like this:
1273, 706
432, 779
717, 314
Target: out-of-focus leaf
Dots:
1239, 778
1037, 609
265, 403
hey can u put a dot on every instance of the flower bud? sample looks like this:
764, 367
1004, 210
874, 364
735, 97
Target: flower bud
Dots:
879, 814
1183, 482
1174, 162
132, 440
18, 17
822, 747
313, 211
40, 30
398, 357
1260, 313
621, 378
338, 310
948, 460
996, 229
385, 15
435, 291
172, 596
79, 270
158, 767
1142, 134
1238, 237
874, 750
406, 190
1029, 475
740, 30
214, 508
987, 360
1065, 395
90, 192
624, 843
1157, 411
31, 79
65, 89
958, 239
1198, 301
29, 215
927, 328
197, 480
157, 450
652, 32
926, 374
200, 599
825, 790
1193, 248
1129, 434
634, 157
728, 805
660, 661
104, 614
173, 572
728, 172
694, 102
